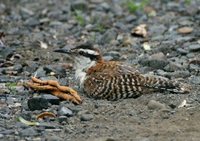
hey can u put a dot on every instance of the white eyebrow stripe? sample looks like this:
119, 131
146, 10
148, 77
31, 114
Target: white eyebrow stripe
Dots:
90, 51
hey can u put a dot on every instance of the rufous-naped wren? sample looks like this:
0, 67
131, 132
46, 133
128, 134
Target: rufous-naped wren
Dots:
113, 80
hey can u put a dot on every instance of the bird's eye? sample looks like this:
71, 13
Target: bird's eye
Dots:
81, 52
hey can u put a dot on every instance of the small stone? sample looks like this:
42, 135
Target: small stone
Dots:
28, 132
40, 72
32, 22
182, 51
54, 138
51, 99
86, 117
185, 30
194, 47
37, 103
105, 6
108, 36
81, 5
64, 111
156, 61
172, 66
113, 54
1, 136
195, 80
130, 18
62, 119
180, 74
155, 105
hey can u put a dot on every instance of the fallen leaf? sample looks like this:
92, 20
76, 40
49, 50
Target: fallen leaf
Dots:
52, 86
29, 123
146, 46
185, 30
140, 31
45, 114
150, 11
43, 45
183, 104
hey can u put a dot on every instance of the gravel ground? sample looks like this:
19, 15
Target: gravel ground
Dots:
33, 29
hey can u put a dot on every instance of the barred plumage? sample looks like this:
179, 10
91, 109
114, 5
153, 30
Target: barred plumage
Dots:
124, 82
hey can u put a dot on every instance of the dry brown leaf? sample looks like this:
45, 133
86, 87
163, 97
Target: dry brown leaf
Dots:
43, 45
63, 92
140, 30
45, 114
185, 30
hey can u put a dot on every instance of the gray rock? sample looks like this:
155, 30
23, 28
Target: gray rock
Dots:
194, 47
32, 22
156, 61
37, 103
2, 8
40, 72
180, 74
63, 119
64, 111
51, 99
53, 138
81, 5
130, 18
7, 132
173, 66
86, 117
105, 6
1, 136
58, 69
155, 105
76, 109
182, 51
26, 13
113, 54
28, 132
108, 36
5, 53
195, 80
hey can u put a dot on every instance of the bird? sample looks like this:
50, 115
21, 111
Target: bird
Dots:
113, 80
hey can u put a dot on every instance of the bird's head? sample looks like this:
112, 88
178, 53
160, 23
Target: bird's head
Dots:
84, 55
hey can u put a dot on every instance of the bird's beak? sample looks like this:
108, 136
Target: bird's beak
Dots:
63, 50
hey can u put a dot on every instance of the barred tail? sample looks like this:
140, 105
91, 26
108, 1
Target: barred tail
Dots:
160, 83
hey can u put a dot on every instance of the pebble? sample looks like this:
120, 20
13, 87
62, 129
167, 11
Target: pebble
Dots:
28, 132
182, 51
108, 36
86, 117
32, 22
81, 5
194, 47
63, 119
156, 105
40, 72
54, 138
37, 103
195, 80
51, 99
156, 61
113, 54
173, 66
64, 111
1, 136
